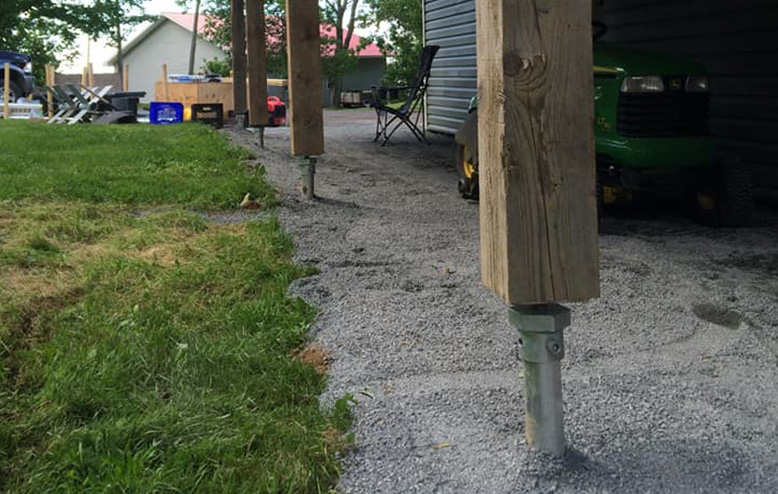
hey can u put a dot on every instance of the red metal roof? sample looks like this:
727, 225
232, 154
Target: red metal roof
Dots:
186, 21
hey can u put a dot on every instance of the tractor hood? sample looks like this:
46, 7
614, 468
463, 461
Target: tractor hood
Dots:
627, 60
15, 58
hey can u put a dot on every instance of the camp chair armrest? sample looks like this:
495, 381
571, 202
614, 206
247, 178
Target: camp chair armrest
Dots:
380, 93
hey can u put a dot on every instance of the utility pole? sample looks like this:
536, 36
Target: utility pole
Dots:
237, 18
195, 33
539, 243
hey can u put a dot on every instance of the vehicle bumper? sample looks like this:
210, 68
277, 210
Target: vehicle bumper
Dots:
657, 153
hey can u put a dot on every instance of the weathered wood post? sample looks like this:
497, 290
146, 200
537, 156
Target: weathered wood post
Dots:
6, 90
165, 87
90, 74
50, 82
257, 65
305, 87
237, 17
539, 243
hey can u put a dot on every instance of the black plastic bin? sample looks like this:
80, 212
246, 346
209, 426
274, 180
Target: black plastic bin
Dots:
126, 101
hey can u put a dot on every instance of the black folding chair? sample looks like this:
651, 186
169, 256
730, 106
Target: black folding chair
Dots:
390, 119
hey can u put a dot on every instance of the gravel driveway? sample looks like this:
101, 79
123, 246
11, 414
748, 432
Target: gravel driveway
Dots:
670, 378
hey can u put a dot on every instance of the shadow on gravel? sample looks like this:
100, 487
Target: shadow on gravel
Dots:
685, 466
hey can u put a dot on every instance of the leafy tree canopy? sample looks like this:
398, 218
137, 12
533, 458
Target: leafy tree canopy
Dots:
404, 38
46, 29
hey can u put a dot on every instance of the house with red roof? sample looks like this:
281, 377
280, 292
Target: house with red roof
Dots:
168, 39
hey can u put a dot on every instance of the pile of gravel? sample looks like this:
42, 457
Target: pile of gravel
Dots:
670, 378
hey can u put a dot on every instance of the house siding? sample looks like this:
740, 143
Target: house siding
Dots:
450, 24
168, 44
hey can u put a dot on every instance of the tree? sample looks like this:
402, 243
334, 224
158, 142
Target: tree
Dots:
404, 39
116, 15
337, 54
195, 33
43, 28
218, 31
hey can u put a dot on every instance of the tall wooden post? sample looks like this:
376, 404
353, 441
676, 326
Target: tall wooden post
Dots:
90, 73
305, 77
126, 78
305, 87
237, 18
165, 89
50, 82
538, 211
257, 63
6, 90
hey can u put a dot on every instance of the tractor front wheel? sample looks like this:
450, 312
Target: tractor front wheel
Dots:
468, 174
724, 197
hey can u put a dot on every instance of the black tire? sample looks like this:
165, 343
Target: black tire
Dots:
16, 91
724, 198
468, 175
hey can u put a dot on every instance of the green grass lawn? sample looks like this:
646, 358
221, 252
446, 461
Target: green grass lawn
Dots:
149, 352
135, 164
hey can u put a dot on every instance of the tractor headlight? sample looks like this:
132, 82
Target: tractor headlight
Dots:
643, 84
697, 84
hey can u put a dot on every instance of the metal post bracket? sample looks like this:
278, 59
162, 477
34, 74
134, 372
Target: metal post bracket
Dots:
541, 345
539, 318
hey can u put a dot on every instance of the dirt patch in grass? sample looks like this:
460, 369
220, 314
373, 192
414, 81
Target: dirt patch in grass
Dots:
314, 355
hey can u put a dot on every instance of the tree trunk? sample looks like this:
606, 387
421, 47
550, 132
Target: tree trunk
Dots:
336, 88
239, 57
119, 51
193, 47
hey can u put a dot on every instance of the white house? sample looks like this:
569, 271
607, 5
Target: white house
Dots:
168, 40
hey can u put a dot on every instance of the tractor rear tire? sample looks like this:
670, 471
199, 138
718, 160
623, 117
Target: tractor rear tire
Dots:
724, 198
16, 91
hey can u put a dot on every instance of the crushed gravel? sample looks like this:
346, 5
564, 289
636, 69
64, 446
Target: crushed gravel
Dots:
670, 378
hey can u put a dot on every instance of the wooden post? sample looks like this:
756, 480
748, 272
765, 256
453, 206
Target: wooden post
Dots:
51, 77
90, 75
6, 90
238, 59
305, 77
539, 240
84, 78
126, 78
164, 82
257, 62
538, 209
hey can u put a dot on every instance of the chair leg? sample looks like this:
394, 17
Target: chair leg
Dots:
412, 127
377, 126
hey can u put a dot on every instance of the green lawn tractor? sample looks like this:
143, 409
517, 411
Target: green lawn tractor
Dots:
651, 136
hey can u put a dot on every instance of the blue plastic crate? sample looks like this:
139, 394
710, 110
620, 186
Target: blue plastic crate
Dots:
163, 113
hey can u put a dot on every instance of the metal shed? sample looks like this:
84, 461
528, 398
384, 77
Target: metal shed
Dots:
453, 81
737, 42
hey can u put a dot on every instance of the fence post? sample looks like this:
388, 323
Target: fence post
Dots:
6, 90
